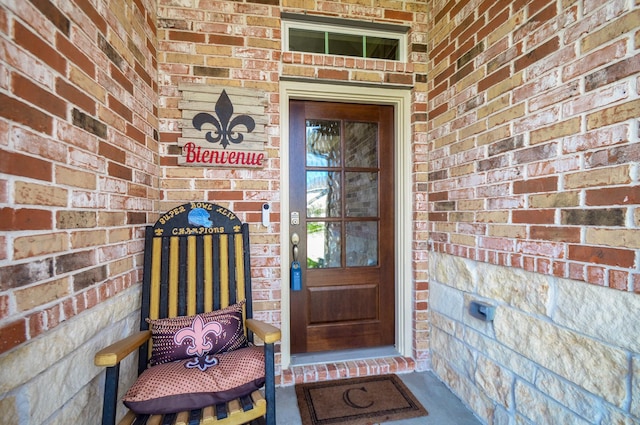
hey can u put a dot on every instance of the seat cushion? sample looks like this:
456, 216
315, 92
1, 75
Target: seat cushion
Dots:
183, 337
189, 384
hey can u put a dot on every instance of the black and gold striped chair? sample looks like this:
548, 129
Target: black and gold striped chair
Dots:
197, 361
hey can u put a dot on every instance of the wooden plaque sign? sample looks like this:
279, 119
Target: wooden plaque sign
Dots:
222, 127
197, 218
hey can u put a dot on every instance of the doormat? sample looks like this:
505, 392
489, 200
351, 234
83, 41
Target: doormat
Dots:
358, 401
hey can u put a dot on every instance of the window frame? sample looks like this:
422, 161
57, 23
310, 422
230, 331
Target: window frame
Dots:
343, 26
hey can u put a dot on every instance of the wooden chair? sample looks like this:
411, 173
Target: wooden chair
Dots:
196, 262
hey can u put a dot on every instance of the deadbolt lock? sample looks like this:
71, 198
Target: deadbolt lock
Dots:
295, 218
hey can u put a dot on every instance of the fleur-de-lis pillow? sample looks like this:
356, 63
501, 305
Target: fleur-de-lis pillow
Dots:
184, 337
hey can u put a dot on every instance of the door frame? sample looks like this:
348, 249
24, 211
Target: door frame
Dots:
400, 99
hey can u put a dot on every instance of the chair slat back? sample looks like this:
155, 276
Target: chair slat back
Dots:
196, 260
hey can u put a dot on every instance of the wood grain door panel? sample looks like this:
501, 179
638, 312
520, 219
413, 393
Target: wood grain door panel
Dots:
341, 174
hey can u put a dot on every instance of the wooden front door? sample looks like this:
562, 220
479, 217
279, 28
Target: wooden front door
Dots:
342, 212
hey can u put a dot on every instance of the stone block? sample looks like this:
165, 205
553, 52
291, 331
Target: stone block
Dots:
16, 369
457, 354
569, 395
635, 387
9, 411
501, 417
541, 409
502, 355
495, 381
464, 389
452, 271
444, 323
596, 367
76, 411
603, 313
446, 300
527, 291
79, 380
618, 417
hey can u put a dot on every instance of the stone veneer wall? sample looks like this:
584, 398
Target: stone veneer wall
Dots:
78, 180
559, 351
533, 197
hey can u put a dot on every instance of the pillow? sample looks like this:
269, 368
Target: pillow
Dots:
183, 337
179, 386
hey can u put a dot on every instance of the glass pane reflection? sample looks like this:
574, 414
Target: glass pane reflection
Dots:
361, 194
362, 243
382, 48
345, 44
361, 144
301, 40
323, 245
323, 194
323, 143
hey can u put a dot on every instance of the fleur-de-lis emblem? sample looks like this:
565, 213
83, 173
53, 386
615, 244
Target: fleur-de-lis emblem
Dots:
197, 333
201, 362
224, 125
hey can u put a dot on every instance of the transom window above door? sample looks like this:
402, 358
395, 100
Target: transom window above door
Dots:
333, 36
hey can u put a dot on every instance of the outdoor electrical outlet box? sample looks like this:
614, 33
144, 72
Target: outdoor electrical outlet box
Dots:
482, 311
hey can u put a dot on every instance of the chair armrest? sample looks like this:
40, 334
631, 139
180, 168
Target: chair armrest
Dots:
266, 332
113, 354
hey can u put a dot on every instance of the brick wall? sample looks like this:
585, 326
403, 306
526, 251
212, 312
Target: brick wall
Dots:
533, 136
242, 48
78, 156
533, 208
78, 180
524, 139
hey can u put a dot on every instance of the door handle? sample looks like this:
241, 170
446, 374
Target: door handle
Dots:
295, 240
296, 272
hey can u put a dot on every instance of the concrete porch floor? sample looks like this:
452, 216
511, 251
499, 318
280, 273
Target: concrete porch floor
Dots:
443, 406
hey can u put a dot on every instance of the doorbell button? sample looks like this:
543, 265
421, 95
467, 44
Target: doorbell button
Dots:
266, 209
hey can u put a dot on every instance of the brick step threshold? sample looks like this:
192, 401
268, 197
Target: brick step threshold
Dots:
346, 369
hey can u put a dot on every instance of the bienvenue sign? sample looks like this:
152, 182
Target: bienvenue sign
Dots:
222, 126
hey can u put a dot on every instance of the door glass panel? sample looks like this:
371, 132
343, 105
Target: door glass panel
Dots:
323, 245
362, 243
361, 144
323, 143
361, 194
323, 194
